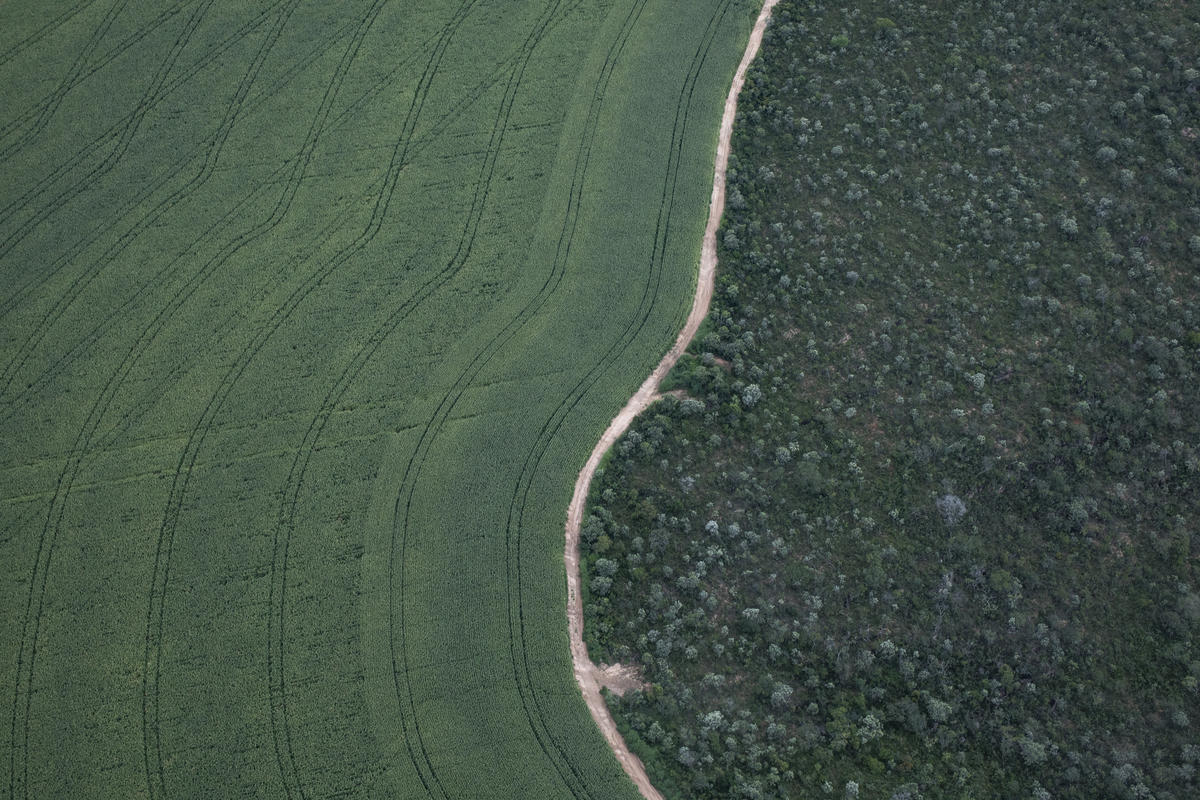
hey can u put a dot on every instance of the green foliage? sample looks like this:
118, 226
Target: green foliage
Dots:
958, 517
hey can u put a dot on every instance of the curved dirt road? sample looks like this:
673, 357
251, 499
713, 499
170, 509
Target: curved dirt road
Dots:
588, 675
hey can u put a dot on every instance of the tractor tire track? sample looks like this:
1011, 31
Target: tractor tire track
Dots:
42, 32
156, 603
124, 132
515, 524
419, 145
7, 129
585, 670
45, 184
48, 536
119, 314
32, 390
149, 98
276, 627
31, 622
290, 494
216, 144
570, 776
51, 103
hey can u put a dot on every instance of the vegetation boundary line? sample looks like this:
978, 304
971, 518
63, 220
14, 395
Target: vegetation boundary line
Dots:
585, 671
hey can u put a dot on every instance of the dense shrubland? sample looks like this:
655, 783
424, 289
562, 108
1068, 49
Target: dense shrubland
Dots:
926, 520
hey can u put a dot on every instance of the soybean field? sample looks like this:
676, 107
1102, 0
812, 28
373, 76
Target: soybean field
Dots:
309, 314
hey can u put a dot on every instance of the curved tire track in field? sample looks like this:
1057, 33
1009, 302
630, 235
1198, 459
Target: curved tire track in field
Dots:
31, 620
281, 730
573, 781
183, 472
48, 536
123, 132
585, 670
30, 392
27, 394
97, 64
515, 522
35, 37
156, 604
287, 513
63, 486
47, 107
415, 148
522, 672
215, 145
81, 156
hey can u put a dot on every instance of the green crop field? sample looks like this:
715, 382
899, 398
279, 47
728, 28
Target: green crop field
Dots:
309, 314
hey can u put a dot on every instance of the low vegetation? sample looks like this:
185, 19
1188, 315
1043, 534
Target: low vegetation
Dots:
924, 520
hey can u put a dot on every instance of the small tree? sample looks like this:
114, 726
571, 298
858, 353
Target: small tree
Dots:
952, 508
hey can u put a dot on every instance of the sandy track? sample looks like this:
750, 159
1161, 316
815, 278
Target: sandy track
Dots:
588, 675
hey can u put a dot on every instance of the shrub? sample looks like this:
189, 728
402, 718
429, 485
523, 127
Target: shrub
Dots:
952, 508
751, 395
781, 696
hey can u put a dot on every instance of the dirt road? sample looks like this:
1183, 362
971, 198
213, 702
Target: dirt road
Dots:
588, 675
